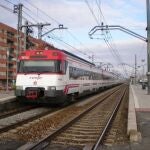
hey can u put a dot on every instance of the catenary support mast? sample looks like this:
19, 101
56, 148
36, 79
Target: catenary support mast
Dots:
148, 44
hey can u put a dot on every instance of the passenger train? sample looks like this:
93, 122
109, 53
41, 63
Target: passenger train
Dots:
56, 76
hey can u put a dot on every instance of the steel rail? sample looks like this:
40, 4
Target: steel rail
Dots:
43, 142
102, 135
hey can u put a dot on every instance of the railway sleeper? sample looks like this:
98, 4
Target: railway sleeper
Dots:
82, 132
74, 140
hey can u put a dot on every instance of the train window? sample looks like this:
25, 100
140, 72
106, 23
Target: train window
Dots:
80, 74
39, 66
63, 66
66, 65
38, 63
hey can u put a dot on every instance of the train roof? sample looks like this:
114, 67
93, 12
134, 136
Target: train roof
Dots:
68, 53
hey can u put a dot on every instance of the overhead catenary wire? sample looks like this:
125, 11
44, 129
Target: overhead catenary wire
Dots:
100, 10
10, 10
58, 39
33, 19
71, 34
124, 68
9, 2
27, 1
74, 37
105, 39
94, 16
47, 29
113, 50
6, 8
53, 20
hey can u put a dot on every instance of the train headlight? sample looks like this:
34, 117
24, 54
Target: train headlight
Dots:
51, 88
19, 87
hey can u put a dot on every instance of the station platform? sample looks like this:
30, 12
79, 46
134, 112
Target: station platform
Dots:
141, 98
6, 97
139, 118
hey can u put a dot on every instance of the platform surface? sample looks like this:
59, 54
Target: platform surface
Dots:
139, 118
141, 98
6, 96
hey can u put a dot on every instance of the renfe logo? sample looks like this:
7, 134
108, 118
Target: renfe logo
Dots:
35, 78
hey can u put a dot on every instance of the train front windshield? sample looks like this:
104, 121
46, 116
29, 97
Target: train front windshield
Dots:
39, 66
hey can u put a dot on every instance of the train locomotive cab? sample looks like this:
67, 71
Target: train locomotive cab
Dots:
41, 76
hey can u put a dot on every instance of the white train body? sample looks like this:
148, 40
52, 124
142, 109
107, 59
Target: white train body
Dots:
54, 75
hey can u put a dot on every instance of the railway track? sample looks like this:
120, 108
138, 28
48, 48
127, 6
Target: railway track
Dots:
22, 116
109, 122
88, 127
14, 111
8, 122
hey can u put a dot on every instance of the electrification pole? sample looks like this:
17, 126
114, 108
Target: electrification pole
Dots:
25, 35
19, 27
92, 58
18, 10
148, 44
135, 69
39, 26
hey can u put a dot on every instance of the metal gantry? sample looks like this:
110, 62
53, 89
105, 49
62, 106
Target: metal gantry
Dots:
60, 27
116, 27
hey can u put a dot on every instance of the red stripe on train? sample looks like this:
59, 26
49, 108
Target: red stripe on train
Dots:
66, 89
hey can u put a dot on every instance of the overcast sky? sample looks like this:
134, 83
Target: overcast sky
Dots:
77, 17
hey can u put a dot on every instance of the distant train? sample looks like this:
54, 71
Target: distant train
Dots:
56, 76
